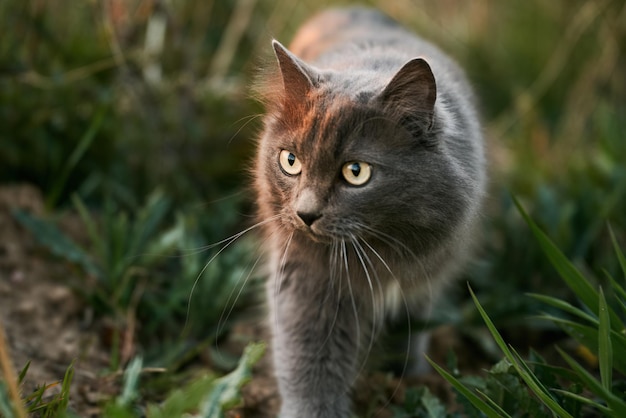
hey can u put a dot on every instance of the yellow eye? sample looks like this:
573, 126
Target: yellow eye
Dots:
290, 163
356, 173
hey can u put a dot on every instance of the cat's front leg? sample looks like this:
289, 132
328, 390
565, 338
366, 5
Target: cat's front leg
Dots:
315, 346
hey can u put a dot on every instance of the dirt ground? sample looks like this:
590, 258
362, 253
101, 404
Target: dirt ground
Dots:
44, 320
47, 323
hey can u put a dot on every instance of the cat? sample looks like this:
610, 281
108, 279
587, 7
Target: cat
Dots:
369, 177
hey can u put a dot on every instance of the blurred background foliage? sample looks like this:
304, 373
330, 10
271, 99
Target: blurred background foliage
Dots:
138, 114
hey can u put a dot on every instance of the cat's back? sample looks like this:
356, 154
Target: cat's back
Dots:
344, 38
334, 28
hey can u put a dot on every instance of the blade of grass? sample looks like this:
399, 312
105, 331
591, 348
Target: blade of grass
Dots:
618, 251
521, 368
83, 145
56, 241
535, 384
605, 348
483, 406
65, 388
149, 220
20, 377
617, 288
568, 272
617, 405
92, 229
585, 401
564, 306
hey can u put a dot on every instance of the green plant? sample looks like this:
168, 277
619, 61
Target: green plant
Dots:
420, 403
121, 248
537, 388
208, 396
39, 402
138, 268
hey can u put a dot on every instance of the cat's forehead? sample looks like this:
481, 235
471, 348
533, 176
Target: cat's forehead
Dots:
332, 123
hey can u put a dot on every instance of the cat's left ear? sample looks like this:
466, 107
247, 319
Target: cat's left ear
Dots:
412, 91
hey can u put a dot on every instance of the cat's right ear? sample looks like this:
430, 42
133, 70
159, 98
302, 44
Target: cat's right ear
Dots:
298, 77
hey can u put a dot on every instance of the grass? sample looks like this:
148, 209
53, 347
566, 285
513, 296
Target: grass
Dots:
546, 389
134, 118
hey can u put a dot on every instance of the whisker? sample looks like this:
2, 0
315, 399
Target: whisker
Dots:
249, 118
333, 275
344, 253
279, 278
234, 237
229, 241
376, 314
386, 238
224, 316
333, 262
408, 317
390, 240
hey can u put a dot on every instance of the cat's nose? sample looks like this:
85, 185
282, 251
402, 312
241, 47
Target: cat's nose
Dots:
309, 217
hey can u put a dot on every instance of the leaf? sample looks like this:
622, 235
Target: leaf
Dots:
432, 404
83, 145
6, 410
226, 392
183, 400
565, 306
51, 237
617, 405
586, 401
618, 251
468, 394
64, 396
94, 235
503, 366
20, 377
131, 378
618, 289
147, 223
605, 348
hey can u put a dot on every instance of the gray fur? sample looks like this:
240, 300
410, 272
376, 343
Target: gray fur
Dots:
370, 250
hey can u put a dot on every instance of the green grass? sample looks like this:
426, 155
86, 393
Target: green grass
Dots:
544, 389
207, 396
145, 140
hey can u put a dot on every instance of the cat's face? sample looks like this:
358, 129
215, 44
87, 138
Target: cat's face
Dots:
336, 167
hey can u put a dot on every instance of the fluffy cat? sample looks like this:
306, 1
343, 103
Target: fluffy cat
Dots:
369, 178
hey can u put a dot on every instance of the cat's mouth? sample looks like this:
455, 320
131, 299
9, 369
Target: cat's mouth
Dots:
314, 233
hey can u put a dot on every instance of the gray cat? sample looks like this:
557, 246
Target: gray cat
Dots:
369, 178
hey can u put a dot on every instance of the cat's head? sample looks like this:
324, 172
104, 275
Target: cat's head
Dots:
339, 162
